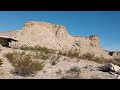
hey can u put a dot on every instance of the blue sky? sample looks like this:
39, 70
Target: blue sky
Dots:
105, 24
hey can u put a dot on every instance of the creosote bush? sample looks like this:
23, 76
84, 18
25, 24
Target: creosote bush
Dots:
41, 55
72, 73
69, 54
37, 48
74, 69
23, 64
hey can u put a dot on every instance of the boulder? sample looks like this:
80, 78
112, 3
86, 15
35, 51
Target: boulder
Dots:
110, 68
114, 68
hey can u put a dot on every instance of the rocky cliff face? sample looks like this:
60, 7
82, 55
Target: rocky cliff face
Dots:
55, 37
59, 30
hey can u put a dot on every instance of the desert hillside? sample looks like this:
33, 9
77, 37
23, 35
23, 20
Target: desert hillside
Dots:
56, 37
48, 51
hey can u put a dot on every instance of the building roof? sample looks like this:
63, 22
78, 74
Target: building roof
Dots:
6, 37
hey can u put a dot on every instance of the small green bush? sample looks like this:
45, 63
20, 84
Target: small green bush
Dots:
23, 64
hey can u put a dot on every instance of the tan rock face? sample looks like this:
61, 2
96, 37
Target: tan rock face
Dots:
59, 30
55, 37
33, 23
94, 40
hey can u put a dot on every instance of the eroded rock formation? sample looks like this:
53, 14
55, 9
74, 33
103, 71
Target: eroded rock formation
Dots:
56, 37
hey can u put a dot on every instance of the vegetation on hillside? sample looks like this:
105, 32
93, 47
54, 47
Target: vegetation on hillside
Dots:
90, 56
37, 48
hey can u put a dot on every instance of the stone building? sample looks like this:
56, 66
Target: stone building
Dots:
5, 41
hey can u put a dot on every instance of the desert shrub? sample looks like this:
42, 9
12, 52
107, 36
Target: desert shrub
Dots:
37, 48
100, 59
62, 53
73, 69
55, 60
92, 57
44, 49
72, 73
23, 64
115, 61
25, 47
88, 56
41, 55
85, 56
72, 54
1, 62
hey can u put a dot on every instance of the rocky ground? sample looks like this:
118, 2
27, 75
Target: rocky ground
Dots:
65, 68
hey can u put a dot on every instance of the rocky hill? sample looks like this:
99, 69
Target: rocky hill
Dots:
55, 37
